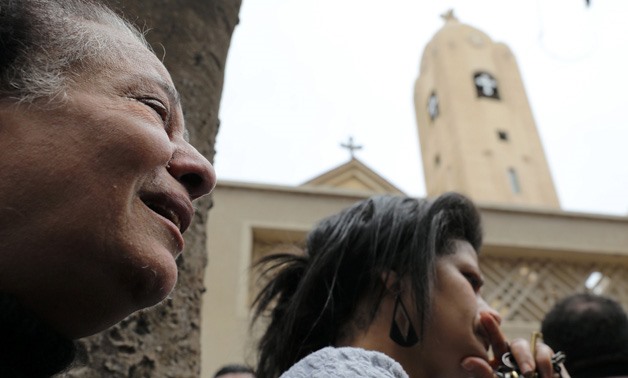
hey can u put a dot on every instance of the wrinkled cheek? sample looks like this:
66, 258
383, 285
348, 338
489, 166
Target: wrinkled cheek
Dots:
139, 151
143, 158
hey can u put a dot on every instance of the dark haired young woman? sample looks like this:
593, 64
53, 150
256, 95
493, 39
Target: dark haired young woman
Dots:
389, 287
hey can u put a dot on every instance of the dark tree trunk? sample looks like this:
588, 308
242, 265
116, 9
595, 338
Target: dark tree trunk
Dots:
165, 341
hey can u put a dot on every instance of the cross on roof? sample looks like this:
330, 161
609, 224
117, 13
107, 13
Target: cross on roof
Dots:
449, 15
351, 147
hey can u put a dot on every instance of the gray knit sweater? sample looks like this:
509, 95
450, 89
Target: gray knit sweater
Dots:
346, 362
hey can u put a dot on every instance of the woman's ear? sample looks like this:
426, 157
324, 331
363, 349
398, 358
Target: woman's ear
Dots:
391, 282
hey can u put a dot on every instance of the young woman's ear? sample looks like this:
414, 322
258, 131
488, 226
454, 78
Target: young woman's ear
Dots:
391, 282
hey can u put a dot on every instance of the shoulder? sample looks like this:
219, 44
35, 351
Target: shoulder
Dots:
346, 362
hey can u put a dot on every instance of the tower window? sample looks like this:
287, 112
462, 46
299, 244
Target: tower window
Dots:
437, 160
502, 135
514, 181
485, 85
432, 106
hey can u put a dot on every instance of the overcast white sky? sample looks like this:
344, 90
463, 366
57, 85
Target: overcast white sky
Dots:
304, 75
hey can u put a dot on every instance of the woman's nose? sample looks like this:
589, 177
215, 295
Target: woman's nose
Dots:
193, 171
485, 307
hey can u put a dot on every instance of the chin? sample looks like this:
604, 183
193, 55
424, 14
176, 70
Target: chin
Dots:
110, 311
143, 281
153, 282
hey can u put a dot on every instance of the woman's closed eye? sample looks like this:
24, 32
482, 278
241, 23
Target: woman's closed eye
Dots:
158, 107
475, 280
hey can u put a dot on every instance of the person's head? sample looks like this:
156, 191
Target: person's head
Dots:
592, 330
96, 173
363, 262
235, 371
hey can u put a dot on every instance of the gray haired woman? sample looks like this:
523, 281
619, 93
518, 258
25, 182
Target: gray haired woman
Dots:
97, 179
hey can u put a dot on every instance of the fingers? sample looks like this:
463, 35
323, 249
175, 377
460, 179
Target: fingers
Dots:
496, 338
544, 360
478, 367
541, 362
529, 358
520, 349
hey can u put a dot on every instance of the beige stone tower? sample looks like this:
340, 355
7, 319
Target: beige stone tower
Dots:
476, 128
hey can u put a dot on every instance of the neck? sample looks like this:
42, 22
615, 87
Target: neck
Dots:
28, 347
376, 337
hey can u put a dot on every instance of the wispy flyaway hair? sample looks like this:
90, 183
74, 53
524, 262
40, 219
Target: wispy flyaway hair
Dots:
46, 44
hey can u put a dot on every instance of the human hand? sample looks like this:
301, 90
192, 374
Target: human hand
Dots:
510, 364
532, 362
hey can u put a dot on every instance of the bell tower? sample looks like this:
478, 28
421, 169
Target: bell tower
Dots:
476, 128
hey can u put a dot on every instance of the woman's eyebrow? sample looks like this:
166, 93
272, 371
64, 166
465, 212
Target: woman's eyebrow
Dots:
171, 92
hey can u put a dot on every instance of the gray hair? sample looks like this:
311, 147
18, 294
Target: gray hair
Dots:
46, 44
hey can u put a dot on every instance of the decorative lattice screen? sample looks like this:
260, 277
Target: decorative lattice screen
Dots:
524, 289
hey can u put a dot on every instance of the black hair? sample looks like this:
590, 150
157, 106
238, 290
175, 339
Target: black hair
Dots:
28, 347
234, 368
312, 298
592, 330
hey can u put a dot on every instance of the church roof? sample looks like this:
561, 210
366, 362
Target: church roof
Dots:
456, 29
353, 175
